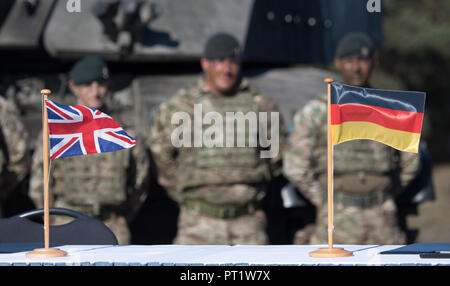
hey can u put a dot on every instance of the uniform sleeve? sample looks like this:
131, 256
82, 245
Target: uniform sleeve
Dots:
276, 134
161, 148
299, 158
140, 169
15, 138
409, 167
36, 188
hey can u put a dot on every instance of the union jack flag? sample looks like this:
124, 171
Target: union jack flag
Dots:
80, 130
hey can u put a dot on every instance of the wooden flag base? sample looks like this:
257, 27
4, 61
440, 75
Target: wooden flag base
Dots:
46, 253
330, 252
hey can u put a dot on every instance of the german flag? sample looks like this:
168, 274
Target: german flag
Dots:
390, 117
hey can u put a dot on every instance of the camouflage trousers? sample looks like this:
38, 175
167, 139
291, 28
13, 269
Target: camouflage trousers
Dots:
119, 226
352, 225
303, 236
194, 228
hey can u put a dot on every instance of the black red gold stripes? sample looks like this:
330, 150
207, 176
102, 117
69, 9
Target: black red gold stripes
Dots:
391, 117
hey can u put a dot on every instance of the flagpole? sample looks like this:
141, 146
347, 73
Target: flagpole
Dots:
330, 165
330, 251
46, 251
45, 144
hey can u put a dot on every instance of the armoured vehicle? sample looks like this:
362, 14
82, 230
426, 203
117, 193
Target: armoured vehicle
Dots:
153, 46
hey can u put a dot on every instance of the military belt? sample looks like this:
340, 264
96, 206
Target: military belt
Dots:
218, 211
100, 212
367, 200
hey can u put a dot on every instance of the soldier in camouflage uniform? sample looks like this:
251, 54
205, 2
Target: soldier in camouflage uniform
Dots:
367, 174
99, 185
14, 153
219, 189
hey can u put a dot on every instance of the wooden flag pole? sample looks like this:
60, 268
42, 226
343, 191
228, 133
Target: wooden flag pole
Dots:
47, 251
330, 251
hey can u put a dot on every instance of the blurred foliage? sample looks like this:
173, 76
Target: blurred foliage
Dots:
415, 27
417, 50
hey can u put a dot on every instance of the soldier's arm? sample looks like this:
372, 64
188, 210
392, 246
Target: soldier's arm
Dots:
409, 167
299, 158
162, 151
15, 138
36, 188
138, 179
278, 130
141, 168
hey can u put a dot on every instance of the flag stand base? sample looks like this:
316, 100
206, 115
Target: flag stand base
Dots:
46, 253
330, 252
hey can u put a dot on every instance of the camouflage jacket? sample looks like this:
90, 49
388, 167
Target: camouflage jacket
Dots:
88, 183
14, 155
221, 174
359, 166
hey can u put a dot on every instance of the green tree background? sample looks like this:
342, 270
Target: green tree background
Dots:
416, 50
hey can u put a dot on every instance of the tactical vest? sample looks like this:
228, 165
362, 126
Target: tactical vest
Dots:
223, 165
359, 166
88, 182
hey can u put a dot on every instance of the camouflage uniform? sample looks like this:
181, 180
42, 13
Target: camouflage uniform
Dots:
98, 185
367, 177
14, 153
218, 188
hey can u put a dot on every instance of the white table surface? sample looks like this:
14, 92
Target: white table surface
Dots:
217, 255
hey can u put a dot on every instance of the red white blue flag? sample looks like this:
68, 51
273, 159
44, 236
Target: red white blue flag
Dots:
80, 130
